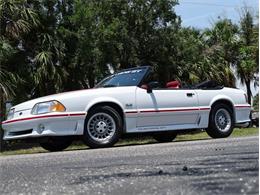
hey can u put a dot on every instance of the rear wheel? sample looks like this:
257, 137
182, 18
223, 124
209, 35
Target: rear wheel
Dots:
54, 144
221, 122
103, 127
165, 136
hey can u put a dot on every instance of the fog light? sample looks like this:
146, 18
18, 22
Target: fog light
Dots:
41, 128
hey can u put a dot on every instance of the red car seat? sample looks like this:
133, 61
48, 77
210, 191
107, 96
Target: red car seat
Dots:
173, 85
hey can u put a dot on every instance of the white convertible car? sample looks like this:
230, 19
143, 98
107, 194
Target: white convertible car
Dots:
129, 101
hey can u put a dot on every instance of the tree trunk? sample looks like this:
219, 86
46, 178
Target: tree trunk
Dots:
249, 93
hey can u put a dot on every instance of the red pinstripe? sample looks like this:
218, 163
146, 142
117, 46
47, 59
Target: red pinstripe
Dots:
44, 116
242, 106
130, 112
171, 110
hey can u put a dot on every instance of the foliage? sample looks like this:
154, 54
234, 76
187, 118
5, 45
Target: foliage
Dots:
248, 63
256, 102
53, 46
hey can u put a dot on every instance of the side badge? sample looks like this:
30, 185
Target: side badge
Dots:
129, 105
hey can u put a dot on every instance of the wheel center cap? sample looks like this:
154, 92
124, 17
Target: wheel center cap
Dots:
101, 127
222, 120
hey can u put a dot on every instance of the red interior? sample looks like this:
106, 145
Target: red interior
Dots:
173, 84
144, 86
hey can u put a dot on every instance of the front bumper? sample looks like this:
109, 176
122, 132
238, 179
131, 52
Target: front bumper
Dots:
52, 124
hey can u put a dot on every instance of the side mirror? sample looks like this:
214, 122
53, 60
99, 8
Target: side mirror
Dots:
152, 85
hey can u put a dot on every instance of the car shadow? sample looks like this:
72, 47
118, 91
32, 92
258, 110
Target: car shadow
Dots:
143, 142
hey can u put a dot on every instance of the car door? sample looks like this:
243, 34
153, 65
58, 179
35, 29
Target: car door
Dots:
167, 109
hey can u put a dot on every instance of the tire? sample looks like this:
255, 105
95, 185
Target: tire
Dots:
165, 137
54, 144
103, 127
221, 121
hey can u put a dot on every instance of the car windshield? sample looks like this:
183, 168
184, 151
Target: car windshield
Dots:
131, 77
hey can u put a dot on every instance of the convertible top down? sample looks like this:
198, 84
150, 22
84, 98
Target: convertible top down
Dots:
129, 101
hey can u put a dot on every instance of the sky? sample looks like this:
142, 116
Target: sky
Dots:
202, 14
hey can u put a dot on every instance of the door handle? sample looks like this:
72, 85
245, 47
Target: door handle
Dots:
190, 94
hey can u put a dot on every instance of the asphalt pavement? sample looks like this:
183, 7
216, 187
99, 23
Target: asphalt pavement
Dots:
214, 166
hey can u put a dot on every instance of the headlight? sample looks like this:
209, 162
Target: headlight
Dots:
46, 107
10, 114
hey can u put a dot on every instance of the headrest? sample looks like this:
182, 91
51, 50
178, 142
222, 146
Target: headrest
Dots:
173, 84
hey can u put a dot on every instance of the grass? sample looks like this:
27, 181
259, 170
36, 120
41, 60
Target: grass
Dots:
139, 141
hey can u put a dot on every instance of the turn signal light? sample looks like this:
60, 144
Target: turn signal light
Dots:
57, 107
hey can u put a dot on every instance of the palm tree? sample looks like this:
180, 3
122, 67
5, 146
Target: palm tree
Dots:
7, 82
16, 19
7, 79
247, 65
219, 53
49, 73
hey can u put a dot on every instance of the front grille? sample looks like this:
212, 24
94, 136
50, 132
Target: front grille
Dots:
20, 132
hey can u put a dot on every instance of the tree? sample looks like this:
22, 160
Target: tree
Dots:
16, 19
7, 79
221, 51
124, 34
57, 46
247, 65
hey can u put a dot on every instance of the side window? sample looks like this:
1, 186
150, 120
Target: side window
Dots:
153, 77
149, 79
172, 84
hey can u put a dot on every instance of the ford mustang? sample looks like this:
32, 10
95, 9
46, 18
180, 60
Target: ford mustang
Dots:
129, 101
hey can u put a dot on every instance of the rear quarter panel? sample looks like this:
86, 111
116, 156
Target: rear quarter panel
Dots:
235, 96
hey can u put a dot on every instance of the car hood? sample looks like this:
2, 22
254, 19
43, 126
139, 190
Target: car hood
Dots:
29, 104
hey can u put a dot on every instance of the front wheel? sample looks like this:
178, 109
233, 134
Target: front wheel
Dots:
103, 127
221, 121
54, 144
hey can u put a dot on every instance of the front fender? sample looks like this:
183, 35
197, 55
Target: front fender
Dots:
102, 100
